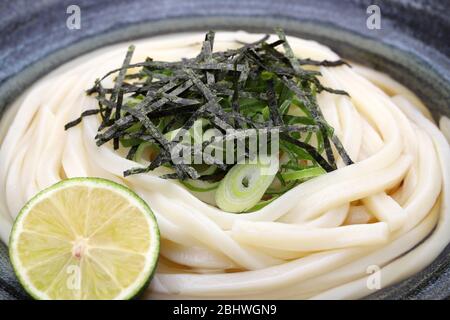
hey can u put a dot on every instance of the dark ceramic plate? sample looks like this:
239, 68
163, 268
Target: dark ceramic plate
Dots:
412, 46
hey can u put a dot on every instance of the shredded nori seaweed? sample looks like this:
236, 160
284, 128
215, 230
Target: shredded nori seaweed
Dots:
79, 119
249, 89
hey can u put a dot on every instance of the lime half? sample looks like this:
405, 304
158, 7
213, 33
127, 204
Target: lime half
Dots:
85, 238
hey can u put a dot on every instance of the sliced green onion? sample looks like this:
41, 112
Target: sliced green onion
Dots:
126, 143
245, 184
267, 75
208, 171
172, 134
303, 174
129, 142
144, 151
281, 189
132, 102
200, 185
134, 128
261, 204
295, 152
266, 113
284, 107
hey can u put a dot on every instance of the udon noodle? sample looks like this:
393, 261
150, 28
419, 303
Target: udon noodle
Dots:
388, 212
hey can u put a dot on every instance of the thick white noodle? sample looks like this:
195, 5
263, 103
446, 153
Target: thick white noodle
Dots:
390, 209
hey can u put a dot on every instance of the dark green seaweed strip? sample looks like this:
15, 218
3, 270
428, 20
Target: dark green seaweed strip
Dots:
182, 169
80, 118
148, 124
283, 58
244, 133
234, 52
200, 85
132, 152
314, 107
180, 64
116, 127
153, 165
207, 49
244, 120
160, 65
220, 89
94, 88
137, 89
244, 75
172, 111
288, 51
297, 62
141, 135
190, 122
238, 84
310, 149
341, 150
145, 106
327, 146
275, 53
210, 38
325, 63
118, 85
279, 71
186, 126
138, 113
273, 104
331, 90
103, 103
213, 105
217, 121
337, 143
321, 88
219, 66
169, 176
179, 101
235, 99
117, 116
316, 114
153, 64
276, 43
251, 44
